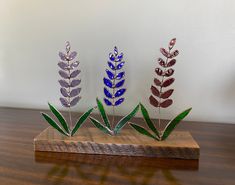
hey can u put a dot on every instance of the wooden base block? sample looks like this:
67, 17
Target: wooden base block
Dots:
92, 141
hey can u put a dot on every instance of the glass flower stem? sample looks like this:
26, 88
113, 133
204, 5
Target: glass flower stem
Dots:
113, 114
115, 73
159, 120
70, 119
69, 98
159, 108
113, 119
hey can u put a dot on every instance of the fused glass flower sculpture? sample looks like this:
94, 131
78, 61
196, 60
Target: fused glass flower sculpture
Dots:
160, 97
88, 141
113, 92
70, 91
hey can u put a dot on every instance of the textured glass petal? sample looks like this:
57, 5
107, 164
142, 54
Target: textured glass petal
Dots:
161, 62
81, 120
169, 72
72, 55
155, 91
63, 65
157, 82
54, 124
74, 73
153, 101
75, 101
63, 74
62, 56
168, 82
115, 50
118, 60
60, 117
119, 101
64, 92
172, 43
67, 46
119, 84
159, 71
111, 57
166, 103
120, 75
167, 94
125, 120
165, 52
69, 67
107, 102
174, 53
64, 102
63, 83
108, 82
103, 113
107, 93
75, 83
120, 92
171, 63
148, 120
120, 57
111, 66
120, 65
74, 64
143, 131
110, 74
172, 124
75, 92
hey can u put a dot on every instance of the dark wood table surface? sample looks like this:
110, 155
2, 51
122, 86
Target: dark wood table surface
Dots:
20, 165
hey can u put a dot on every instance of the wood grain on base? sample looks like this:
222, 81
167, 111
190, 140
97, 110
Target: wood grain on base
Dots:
115, 160
129, 142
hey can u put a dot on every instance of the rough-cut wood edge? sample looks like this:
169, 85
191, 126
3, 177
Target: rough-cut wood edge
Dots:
91, 141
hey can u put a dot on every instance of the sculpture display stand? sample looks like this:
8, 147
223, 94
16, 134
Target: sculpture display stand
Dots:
179, 144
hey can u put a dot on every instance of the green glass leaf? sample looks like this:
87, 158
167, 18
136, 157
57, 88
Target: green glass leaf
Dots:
172, 124
100, 126
81, 121
124, 120
59, 117
148, 120
142, 130
103, 113
54, 124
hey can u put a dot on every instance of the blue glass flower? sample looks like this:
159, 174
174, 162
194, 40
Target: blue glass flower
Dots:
114, 80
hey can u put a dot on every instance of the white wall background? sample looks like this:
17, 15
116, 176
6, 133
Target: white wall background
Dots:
32, 32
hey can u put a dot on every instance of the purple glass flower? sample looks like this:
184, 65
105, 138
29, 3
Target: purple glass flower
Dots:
114, 81
69, 73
